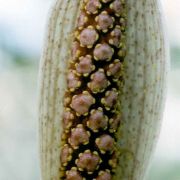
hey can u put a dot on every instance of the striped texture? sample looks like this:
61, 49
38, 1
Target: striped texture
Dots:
52, 84
142, 101
144, 90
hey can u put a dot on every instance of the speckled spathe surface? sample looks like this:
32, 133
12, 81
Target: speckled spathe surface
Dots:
145, 70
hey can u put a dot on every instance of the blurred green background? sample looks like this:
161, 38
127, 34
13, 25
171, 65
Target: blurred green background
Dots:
22, 25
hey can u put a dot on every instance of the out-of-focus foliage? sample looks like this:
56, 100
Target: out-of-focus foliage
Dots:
165, 171
175, 57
